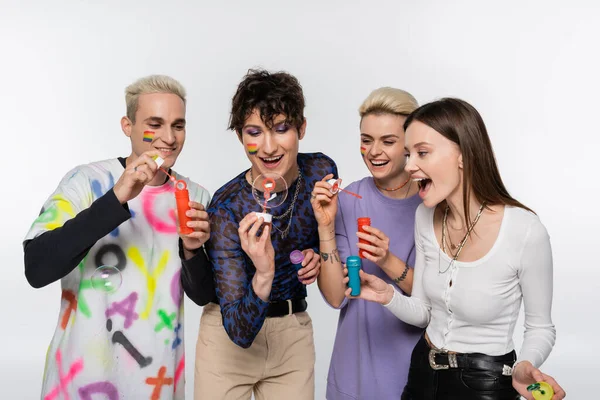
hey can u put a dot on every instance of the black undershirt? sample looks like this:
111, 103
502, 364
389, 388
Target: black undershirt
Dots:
48, 260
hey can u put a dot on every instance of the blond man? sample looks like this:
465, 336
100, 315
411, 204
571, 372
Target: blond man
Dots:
109, 233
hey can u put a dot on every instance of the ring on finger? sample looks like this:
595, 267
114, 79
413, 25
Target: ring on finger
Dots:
312, 196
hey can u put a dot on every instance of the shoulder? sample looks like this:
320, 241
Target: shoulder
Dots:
316, 165
527, 226
226, 193
359, 185
84, 174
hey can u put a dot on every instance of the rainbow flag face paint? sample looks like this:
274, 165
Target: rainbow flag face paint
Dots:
363, 150
252, 148
148, 136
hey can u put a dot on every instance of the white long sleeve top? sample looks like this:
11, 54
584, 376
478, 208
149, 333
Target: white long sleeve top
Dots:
478, 312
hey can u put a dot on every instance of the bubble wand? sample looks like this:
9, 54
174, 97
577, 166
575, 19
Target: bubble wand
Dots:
268, 185
269, 191
335, 188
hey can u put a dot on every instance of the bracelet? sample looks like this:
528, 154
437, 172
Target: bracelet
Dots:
326, 240
403, 276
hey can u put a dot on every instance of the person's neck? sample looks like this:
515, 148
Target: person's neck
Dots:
393, 182
456, 215
159, 179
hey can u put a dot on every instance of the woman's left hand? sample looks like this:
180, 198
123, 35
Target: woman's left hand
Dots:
525, 374
311, 266
372, 288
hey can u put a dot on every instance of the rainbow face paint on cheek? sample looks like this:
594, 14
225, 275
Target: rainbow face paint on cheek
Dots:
252, 148
148, 136
363, 150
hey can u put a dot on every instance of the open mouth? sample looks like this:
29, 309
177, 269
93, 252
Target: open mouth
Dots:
271, 162
166, 151
379, 163
424, 185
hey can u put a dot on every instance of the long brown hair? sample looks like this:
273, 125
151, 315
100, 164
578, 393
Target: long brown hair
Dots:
460, 122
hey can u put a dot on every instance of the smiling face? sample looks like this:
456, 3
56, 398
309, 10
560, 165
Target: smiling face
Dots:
274, 149
382, 146
435, 162
159, 125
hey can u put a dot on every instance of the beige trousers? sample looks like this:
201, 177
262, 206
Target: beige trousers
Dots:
278, 366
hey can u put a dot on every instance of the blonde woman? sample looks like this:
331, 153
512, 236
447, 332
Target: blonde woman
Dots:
372, 348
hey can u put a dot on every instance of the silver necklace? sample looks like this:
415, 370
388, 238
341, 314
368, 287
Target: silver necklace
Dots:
462, 242
283, 233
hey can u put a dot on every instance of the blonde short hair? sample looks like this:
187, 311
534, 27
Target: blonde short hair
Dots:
147, 85
388, 100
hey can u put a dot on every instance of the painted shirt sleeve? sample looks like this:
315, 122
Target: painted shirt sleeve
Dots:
67, 227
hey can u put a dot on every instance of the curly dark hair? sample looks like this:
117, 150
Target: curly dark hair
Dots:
272, 94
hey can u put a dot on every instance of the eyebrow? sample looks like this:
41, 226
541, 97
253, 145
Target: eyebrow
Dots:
418, 144
251, 126
280, 122
160, 120
155, 119
283, 121
390, 135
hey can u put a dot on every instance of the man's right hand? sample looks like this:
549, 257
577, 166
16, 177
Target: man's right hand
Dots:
137, 175
259, 248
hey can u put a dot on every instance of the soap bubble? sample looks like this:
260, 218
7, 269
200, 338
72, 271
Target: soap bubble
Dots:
107, 278
269, 190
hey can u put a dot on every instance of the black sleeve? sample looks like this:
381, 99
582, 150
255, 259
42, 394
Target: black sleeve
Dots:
54, 254
197, 278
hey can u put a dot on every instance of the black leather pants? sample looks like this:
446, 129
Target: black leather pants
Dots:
470, 381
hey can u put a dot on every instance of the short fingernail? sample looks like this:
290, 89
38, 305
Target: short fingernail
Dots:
189, 223
188, 213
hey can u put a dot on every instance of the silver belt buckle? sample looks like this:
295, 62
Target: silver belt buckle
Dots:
432, 364
436, 367
289, 306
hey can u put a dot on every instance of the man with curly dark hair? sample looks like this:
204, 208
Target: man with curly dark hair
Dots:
259, 337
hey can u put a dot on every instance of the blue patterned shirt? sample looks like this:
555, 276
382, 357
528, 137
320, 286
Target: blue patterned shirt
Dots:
243, 311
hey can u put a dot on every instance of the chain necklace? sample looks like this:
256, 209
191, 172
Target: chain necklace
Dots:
289, 211
461, 244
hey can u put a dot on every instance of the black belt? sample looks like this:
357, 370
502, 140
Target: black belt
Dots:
286, 307
439, 360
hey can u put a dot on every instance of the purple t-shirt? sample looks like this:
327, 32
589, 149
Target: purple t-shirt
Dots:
372, 348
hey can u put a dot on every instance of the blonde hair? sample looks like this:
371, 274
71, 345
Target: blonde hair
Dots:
388, 100
147, 85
